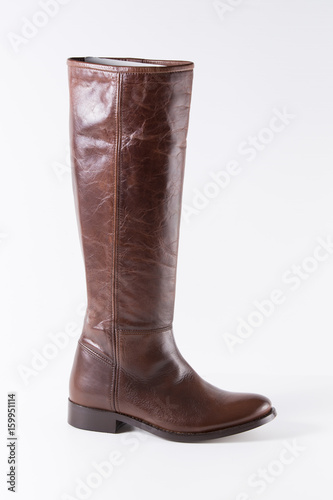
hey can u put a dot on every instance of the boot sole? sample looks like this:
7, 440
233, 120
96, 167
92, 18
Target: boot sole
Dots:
92, 419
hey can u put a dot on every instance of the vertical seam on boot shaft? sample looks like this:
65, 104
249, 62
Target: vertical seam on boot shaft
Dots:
113, 219
115, 239
113, 407
119, 218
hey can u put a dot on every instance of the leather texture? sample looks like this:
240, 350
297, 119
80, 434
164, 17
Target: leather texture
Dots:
128, 141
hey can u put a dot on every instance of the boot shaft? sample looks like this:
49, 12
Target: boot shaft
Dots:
128, 140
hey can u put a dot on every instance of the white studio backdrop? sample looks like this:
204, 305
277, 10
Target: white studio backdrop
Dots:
255, 269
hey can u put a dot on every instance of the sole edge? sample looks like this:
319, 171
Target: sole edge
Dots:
93, 419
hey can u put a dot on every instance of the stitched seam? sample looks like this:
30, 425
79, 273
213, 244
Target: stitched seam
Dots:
119, 215
102, 68
116, 231
113, 329
144, 332
96, 355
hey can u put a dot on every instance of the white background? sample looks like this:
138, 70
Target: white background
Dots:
255, 57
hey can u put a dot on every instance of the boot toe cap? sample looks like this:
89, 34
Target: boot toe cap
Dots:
248, 407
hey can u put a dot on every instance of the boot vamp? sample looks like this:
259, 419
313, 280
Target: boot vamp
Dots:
158, 386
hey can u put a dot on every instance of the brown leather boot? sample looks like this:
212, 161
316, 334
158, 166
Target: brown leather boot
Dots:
129, 120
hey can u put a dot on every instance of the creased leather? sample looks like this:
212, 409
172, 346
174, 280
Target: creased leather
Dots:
128, 142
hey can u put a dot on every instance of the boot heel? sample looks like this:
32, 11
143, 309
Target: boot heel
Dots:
92, 419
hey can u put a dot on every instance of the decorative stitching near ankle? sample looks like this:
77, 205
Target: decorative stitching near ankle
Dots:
101, 357
144, 332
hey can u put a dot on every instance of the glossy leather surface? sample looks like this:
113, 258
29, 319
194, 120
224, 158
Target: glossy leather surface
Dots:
128, 141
